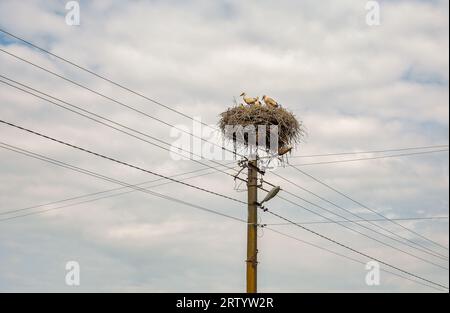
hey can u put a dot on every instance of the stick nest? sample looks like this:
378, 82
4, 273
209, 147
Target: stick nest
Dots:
290, 130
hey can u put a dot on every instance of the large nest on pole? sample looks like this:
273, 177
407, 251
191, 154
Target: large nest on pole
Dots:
290, 130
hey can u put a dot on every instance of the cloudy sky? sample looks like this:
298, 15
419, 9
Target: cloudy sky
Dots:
355, 87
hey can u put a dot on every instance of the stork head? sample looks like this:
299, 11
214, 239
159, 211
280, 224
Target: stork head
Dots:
264, 97
242, 94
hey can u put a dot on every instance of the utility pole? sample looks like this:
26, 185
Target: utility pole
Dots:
252, 227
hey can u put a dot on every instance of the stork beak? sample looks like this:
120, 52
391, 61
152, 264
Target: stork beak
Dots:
242, 94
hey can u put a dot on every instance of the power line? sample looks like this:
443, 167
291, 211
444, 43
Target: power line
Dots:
159, 175
112, 180
429, 251
85, 201
110, 121
127, 192
150, 172
107, 191
120, 162
101, 77
265, 209
371, 158
348, 257
153, 100
56, 104
115, 100
364, 234
93, 73
62, 100
366, 207
76, 107
406, 219
223, 148
70, 105
188, 178
369, 151
99, 176
348, 211
103, 95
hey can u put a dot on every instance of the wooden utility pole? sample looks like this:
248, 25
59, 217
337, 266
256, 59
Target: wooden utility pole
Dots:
252, 227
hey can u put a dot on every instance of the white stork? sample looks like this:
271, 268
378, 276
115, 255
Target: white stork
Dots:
249, 100
270, 102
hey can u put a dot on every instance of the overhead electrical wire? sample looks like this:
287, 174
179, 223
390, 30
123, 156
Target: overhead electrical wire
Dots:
83, 114
369, 151
109, 191
268, 211
117, 194
103, 177
68, 104
94, 114
408, 242
350, 258
60, 76
364, 234
37, 212
342, 208
94, 74
202, 189
371, 158
202, 169
117, 101
199, 137
110, 121
112, 180
405, 219
367, 208
121, 86
176, 111
109, 98
121, 162
183, 183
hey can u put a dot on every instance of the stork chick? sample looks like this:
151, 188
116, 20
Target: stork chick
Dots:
249, 100
270, 102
